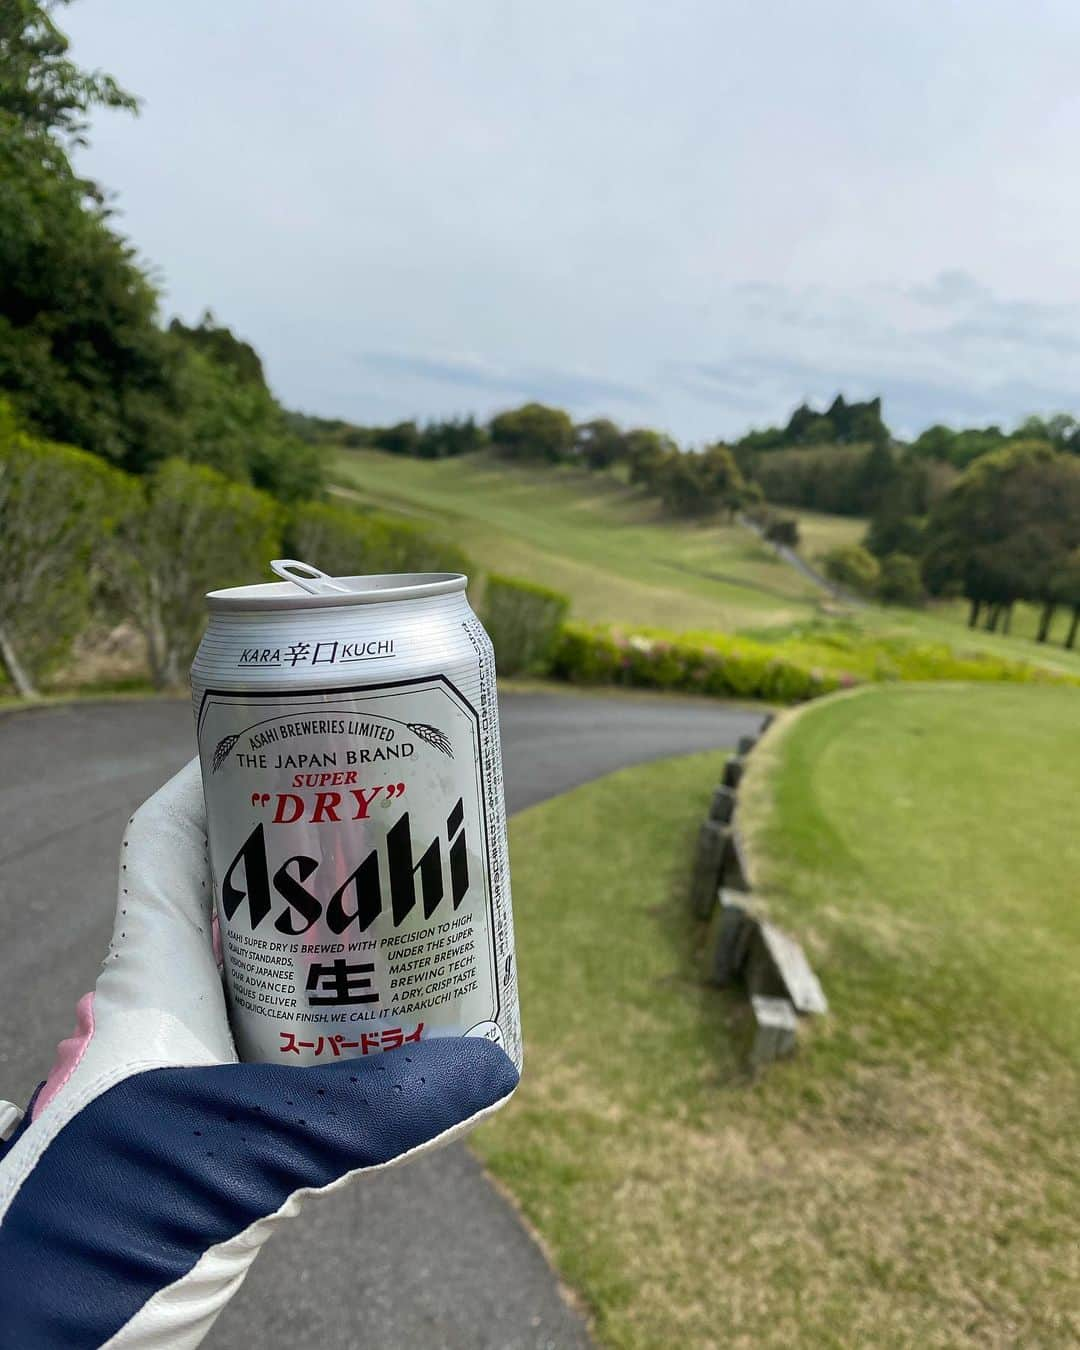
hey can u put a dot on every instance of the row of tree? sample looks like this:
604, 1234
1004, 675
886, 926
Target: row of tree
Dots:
1009, 530
1006, 530
84, 357
82, 541
685, 482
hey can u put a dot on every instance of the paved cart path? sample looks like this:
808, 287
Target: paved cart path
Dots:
424, 1258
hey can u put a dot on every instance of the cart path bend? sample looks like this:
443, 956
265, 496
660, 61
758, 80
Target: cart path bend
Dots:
428, 1256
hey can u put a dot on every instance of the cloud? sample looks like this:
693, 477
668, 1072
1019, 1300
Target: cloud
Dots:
949, 350
573, 388
951, 287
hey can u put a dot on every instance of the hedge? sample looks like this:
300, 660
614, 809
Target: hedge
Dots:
524, 623
789, 671
348, 542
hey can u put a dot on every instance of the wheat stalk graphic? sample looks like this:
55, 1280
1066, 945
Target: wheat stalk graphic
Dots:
423, 731
221, 752
432, 735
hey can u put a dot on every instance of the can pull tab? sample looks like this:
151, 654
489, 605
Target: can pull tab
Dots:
308, 578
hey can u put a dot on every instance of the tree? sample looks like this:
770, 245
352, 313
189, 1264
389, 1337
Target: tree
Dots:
223, 348
782, 530
853, 568
56, 509
645, 452
1005, 529
403, 438
42, 92
875, 479
80, 352
83, 357
444, 440
187, 531
1067, 591
533, 432
722, 484
232, 422
599, 444
842, 423
900, 581
695, 483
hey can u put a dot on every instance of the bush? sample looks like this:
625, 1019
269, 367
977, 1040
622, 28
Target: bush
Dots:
852, 567
56, 505
721, 666
782, 530
346, 542
523, 622
800, 666
187, 530
901, 580
533, 432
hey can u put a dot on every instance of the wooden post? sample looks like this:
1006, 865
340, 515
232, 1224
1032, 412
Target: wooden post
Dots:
723, 805
734, 935
746, 744
733, 771
712, 846
775, 1024
776, 967
735, 875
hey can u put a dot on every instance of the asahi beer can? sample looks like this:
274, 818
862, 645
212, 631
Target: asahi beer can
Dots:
349, 739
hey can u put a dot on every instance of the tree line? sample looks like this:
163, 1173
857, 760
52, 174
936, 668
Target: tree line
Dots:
85, 359
84, 544
686, 483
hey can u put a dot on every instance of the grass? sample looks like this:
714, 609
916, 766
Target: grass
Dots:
608, 547
604, 544
911, 1178
819, 533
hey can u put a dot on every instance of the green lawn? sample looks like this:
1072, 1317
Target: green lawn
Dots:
912, 1177
606, 546
589, 535
819, 533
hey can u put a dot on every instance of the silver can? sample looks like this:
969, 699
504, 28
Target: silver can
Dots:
349, 738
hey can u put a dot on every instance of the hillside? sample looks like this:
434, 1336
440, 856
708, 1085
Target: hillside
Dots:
609, 547
603, 543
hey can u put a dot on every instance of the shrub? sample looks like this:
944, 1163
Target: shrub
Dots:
523, 622
852, 567
56, 505
533, 432
187, 530
721, 666
800, 666
900, 582
347, 542
782, 530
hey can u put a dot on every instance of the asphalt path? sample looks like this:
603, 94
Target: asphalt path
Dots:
428, 1256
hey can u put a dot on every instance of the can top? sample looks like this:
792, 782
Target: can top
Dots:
308, 588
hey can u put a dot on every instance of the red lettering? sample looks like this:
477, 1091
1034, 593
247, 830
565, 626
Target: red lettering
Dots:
362, 802
324, 807
285, 801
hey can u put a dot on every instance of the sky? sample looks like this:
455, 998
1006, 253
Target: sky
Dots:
691, 216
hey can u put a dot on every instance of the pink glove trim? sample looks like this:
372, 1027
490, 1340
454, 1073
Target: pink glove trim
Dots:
68, 1053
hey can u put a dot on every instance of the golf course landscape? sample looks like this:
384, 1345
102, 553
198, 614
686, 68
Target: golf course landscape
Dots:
621, 560
910, 1178
690, 550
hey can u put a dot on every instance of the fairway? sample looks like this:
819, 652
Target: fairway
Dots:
911, 1178
604, 544
620, 560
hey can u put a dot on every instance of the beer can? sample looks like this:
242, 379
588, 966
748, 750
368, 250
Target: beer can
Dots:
348, 734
